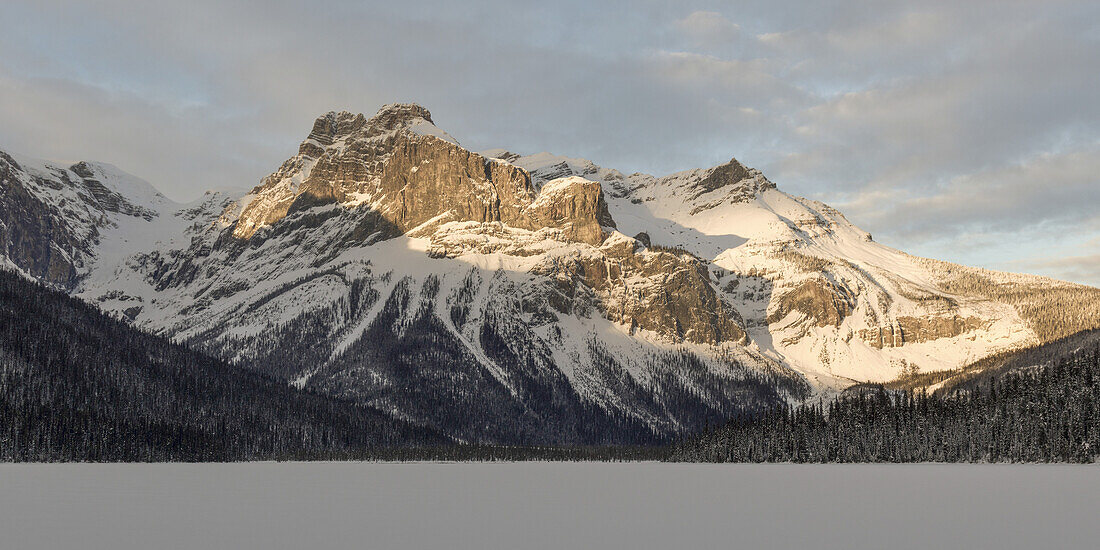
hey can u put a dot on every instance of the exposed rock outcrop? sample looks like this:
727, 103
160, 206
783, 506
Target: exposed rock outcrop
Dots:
911, 330
397, 164
820, 302
662, 292
732, 182
33, 238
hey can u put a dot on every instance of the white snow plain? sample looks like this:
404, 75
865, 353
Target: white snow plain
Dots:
547, 505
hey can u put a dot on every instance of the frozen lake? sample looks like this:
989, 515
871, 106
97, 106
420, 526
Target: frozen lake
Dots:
547, 505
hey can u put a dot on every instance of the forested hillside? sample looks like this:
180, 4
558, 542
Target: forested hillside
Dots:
1044, 414
78, 385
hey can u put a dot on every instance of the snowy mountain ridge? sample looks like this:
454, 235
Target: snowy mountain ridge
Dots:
503, 297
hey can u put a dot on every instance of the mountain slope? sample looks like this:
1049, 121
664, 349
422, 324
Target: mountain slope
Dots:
78, 385
817, 293
543, 299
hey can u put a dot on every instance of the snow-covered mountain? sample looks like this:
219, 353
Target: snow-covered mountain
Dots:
503, 297
55, 219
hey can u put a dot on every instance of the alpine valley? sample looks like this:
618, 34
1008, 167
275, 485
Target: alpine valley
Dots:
495, 297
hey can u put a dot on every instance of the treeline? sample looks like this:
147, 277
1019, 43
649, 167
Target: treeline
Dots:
1046, 414
77, 385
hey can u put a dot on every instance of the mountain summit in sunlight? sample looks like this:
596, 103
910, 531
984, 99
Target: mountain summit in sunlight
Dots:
500, 297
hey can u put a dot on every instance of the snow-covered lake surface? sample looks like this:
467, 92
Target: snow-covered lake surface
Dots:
547, 505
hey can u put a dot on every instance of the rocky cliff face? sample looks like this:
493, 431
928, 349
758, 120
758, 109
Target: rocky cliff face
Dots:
400, 166
919, 329
515, 298
663, 292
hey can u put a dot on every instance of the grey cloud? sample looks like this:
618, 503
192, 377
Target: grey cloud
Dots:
1051, 190
186, 148
890, 110
924, 130
1085, 269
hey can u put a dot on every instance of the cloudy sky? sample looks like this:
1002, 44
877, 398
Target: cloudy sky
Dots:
966, 131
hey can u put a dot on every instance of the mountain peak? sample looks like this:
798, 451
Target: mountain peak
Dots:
336, 125
399, 114
733, 174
